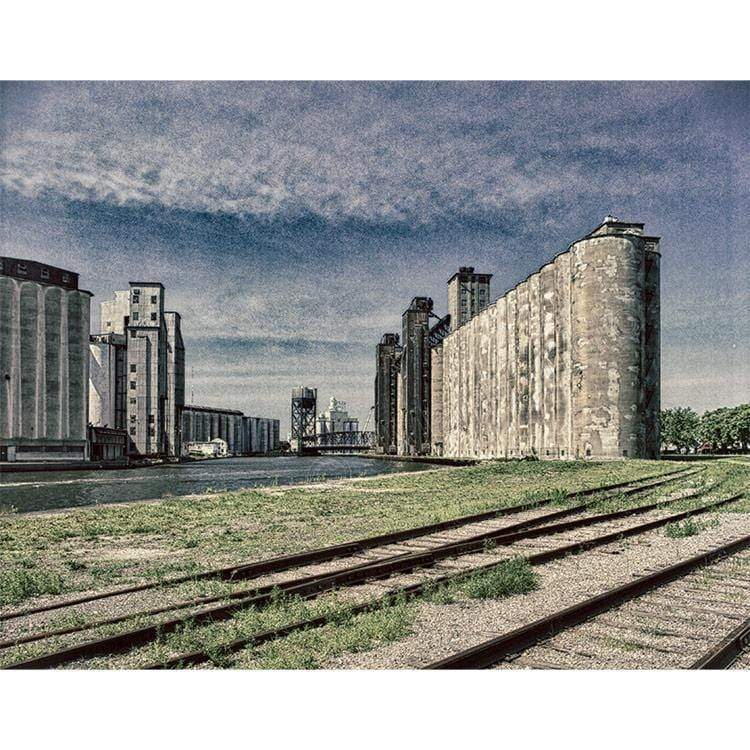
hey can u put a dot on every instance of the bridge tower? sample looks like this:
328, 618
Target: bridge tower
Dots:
304, 408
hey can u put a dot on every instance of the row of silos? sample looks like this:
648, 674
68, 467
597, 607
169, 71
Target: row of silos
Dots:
44, 367
243, 435
564, 365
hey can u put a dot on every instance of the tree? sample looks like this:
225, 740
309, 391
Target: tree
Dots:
713, 429
727, 429
742, 425
680, 428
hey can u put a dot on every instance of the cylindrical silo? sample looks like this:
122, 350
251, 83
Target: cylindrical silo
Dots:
608, 321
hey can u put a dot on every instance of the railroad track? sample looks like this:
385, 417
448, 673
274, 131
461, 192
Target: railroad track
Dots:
731, 651
659, 620
258, 568
414, 590
310, 586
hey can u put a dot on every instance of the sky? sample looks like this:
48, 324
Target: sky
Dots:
292, 223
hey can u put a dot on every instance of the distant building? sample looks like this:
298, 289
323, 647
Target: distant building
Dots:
153, 390
243, 435
107, 380
215, 448
336, 419
386, 376
468, 294
44, 363
414, 379
565, 365
147, 369
201, 424
260, 435
115, 313
408, 379
107, 444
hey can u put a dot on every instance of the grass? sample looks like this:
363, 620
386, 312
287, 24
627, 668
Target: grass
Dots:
347, 633
309, 649
344, 632
89, 548
20, 583
623, 644
508, 578
688, 527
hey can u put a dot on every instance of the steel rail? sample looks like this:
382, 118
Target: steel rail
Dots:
517, 528
325, 554
311, 588
494, 650
725, 653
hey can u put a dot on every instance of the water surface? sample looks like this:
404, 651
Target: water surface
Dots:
63, 489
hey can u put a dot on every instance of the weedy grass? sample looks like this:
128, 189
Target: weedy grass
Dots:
624, 644
344, 631
310, 649
508, 578
688, 527
25, 581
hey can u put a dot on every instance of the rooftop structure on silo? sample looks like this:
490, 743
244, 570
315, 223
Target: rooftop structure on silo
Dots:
468, 293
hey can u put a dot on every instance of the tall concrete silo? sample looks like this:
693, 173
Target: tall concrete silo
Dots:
615, 343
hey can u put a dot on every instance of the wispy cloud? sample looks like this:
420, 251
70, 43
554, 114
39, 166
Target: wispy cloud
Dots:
413, 154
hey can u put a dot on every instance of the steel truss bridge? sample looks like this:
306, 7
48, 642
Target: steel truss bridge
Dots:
339, 442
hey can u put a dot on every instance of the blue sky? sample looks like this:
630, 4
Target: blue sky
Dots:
292, 223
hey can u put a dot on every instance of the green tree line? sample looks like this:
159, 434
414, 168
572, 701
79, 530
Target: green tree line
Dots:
725, 430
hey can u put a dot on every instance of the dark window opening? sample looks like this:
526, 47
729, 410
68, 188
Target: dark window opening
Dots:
45, 273
136, 315
132, 334
153, 316
132, 430
132, 385
153, 299
588, 451
132, 368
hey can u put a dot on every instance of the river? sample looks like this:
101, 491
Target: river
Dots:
65, 489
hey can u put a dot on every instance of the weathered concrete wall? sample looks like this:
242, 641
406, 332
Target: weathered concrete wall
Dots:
566, 364
175, 382
436, 415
